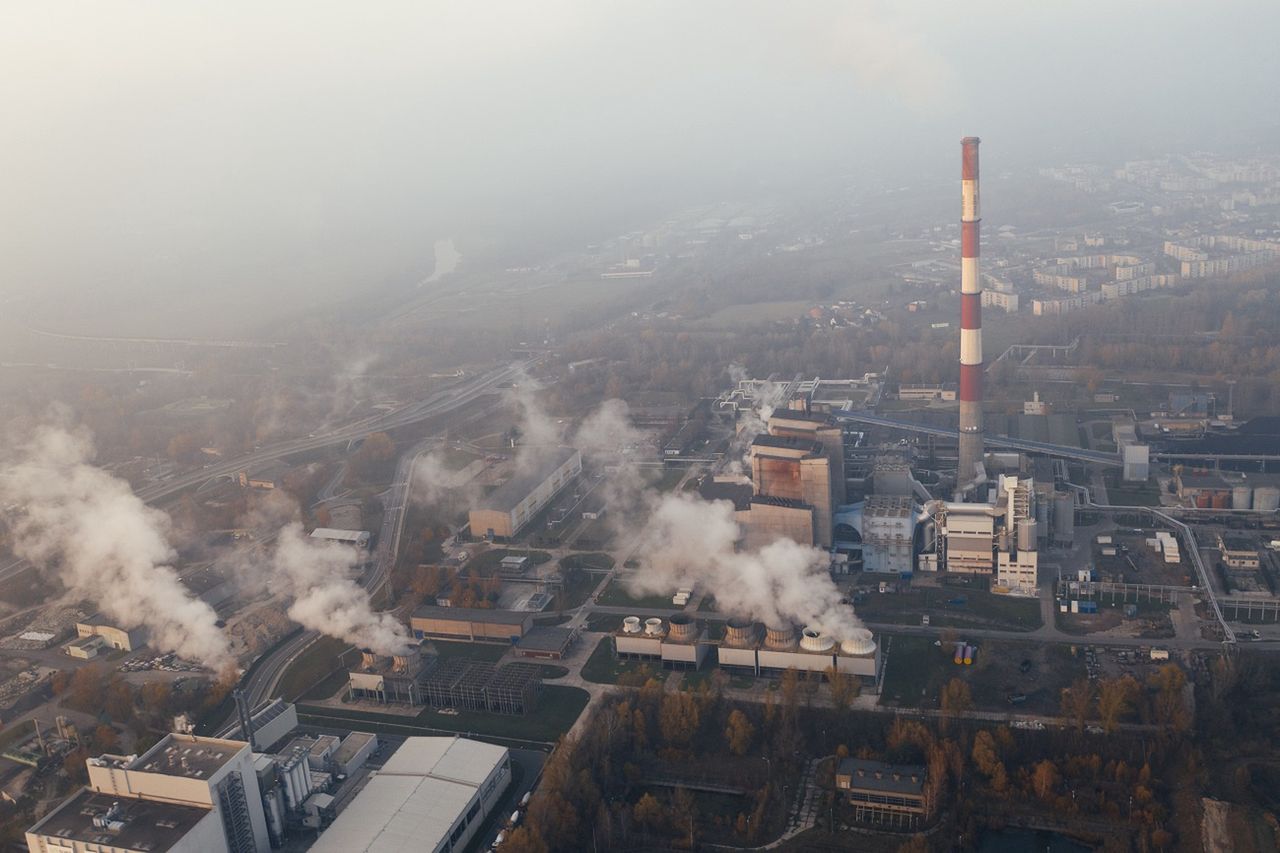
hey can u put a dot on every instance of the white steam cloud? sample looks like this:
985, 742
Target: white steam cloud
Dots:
437, 485
688, 541
105, 544
538, 430
326, 599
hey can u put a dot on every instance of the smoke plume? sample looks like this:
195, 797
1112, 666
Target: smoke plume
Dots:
687, 541
105, 544
326, 599
538, 430
769, 395
437, 485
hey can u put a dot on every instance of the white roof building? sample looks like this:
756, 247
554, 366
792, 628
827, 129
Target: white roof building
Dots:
432, 795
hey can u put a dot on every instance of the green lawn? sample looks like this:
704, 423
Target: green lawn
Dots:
317, 663
616, 594
486, 563
593, 561
604, 668
557, 711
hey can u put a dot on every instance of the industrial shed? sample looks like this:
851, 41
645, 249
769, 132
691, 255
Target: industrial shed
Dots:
506, 511
470, 624
546, 642
433, 795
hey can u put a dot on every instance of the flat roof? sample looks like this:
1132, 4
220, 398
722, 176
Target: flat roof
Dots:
1236, 542
339, 535
188, 755
351, 744
787, 442
471, 614
771, 500
147, 824
801, 415
508, 496
545, 638
416, 799
204, 580
100, 619
894, 506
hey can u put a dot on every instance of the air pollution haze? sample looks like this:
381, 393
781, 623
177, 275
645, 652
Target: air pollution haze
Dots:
87, 526
326, 599
684, 541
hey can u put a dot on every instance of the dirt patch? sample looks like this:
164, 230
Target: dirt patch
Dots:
1213, 829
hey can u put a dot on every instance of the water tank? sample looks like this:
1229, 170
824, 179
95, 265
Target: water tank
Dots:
1266, 499
653, 627
813, 640
779, 636
1204, 500
958, 655
1242, 497
631, 625
1064, 517
1026, 534
968, 655
859, 643
1221, 500
682, 628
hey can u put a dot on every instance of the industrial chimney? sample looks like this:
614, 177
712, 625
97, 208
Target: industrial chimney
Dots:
970, 318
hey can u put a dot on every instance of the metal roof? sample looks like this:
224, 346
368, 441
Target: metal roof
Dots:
471, 614
508, 496
147, 824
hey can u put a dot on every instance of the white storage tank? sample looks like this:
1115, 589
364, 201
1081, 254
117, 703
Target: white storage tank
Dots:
1266, 499
1242, 497
1026, 534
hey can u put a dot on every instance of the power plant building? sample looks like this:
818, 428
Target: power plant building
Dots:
188, 794
433, 794
888, 531
470, 624
510, 507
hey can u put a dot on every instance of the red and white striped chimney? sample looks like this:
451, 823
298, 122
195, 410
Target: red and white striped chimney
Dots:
970, 317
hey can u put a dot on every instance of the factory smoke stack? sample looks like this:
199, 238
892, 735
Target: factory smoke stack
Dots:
970, 455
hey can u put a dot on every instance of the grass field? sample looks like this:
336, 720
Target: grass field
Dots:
952, 607
616, 594
603, 668
486, 563
557, 711
317, 663
917, 670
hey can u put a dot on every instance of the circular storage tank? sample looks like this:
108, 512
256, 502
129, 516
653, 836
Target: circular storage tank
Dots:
859, 643
653, 627
779, 636
813, 640
1222, 500
1064, 517
1026, 534
631, 625
1242, 497
1266, 499
682, 627
1203, 500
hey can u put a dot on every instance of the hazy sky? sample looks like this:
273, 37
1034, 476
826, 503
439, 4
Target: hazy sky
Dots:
180, 151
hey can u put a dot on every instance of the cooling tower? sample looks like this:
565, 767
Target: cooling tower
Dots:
860, 643
368, 659
779, 637
740, 632
631, 625
653, 627
682, 628
813, 640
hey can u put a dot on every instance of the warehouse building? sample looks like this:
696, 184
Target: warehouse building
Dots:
547, 642
470, 624
506, 511
1238, 552
358, 538
124, 639
434, 794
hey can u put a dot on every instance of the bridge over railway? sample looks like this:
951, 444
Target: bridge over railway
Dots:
1079, 454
